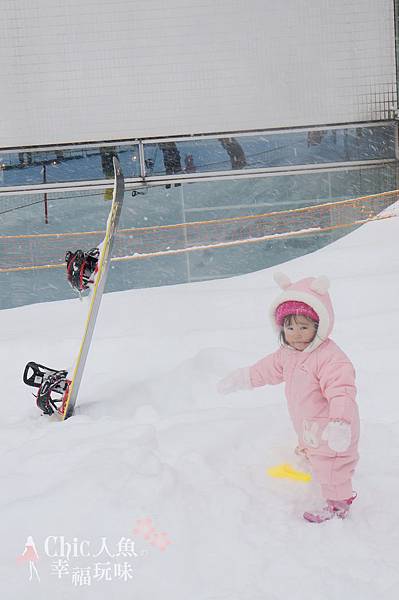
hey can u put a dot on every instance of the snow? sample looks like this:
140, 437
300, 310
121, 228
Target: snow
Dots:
152, 439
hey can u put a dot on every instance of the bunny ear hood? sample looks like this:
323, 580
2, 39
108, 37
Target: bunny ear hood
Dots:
314, 292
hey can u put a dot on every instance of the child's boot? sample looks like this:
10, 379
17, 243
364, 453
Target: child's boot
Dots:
333, 508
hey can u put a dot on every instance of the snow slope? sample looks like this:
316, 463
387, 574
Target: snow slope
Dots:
153, 440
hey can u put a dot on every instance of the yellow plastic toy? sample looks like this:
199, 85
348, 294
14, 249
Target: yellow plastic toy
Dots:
287, 471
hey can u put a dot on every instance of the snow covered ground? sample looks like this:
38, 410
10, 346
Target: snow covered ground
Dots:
154, 446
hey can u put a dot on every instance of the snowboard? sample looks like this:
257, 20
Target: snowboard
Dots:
96, 293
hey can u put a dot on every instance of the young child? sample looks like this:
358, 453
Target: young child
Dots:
319, 386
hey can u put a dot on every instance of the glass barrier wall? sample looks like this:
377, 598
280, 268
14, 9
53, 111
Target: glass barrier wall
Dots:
37, 229
270, 150
197, 156
58, 166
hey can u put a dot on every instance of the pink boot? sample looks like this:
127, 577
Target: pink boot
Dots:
334, 508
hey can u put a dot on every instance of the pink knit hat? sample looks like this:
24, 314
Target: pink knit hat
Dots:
294, 307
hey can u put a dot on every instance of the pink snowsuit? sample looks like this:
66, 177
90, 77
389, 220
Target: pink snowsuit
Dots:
319, 386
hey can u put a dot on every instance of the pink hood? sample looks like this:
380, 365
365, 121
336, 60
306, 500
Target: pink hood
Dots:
314, 292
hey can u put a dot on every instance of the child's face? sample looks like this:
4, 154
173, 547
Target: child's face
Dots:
299, 331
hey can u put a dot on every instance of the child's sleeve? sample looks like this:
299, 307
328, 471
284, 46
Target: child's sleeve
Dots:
268, 370
337, 382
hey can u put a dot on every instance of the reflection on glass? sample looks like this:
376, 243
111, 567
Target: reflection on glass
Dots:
235, 152
174, 158
276, 150
171, 159
34, 168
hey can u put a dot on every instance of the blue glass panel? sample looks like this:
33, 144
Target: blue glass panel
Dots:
87, 212
58, 166
271, 150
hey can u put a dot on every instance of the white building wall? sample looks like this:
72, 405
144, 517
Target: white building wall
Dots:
91, 70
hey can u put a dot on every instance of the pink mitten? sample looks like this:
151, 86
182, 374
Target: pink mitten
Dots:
235, 381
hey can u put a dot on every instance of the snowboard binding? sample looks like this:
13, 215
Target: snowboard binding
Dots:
82, 268
53, 387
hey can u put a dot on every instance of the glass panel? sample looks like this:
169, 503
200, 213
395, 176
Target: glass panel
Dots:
242, 152
271, 150
75, 212
33, 168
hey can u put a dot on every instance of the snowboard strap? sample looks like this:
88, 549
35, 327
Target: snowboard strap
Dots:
81, 267
49, 381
